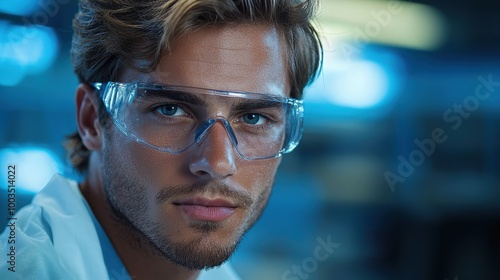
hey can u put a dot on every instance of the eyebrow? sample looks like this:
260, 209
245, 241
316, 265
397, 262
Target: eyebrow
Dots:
181, 96
255, 104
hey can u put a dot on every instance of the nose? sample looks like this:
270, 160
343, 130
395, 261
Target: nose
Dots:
214, 154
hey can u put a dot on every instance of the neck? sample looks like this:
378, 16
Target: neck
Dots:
141, 259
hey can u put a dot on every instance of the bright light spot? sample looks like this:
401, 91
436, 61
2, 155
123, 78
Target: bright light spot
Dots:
357, 84
36, 48
25, 50
18, 7
396, 23
363, 84
34, 166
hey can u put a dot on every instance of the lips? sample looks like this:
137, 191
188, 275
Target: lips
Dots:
204, 209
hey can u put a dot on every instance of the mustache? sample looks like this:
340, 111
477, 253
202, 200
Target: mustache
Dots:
239, 197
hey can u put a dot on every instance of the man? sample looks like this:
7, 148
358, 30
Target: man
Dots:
184, 109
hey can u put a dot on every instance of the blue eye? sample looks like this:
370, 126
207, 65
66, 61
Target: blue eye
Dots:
171, 110
254, 119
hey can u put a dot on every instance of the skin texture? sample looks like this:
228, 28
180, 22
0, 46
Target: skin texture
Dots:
153, 236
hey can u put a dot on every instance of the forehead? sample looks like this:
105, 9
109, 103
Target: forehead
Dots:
241, 57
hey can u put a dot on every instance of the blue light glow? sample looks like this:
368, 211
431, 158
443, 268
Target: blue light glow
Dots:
351, 85
362, 84
25, 50
34, 166
18, 7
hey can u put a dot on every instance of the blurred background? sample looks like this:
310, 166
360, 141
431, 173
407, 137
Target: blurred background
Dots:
398, 166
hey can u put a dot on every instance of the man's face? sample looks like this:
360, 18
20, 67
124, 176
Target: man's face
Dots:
194, 207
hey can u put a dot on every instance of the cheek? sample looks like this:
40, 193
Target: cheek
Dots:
151, 168
153, 164
258, 174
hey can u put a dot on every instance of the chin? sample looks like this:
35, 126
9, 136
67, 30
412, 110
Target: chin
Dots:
201, 253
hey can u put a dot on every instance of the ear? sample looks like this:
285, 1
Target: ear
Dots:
87, 118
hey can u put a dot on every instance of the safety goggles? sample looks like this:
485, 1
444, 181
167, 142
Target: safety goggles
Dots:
174, 118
